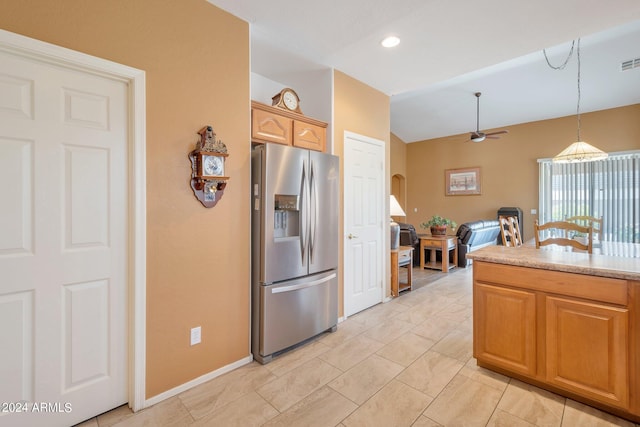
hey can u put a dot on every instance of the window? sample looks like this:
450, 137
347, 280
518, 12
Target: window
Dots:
607, 188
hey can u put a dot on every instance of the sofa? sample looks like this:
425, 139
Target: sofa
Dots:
475, 235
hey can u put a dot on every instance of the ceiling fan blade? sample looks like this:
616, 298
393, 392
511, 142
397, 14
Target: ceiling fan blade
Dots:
498, 132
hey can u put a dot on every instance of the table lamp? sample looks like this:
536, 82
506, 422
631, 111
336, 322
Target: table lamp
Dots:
395, 210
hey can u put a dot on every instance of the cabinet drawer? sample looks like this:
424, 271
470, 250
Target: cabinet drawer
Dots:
404, 258
604, 289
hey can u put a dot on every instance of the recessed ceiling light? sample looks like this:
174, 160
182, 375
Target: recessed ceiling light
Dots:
390, 41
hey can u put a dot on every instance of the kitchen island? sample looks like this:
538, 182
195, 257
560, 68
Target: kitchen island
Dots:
564, 321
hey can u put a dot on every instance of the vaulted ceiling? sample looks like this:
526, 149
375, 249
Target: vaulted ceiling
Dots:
451, 49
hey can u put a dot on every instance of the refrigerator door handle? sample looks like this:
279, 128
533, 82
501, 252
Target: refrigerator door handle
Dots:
302, 219
303, 285
313, 212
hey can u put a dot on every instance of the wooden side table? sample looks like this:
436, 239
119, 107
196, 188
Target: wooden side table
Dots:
445, 244
401, 257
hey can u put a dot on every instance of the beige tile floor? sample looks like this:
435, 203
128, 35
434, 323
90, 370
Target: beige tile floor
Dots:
403, 363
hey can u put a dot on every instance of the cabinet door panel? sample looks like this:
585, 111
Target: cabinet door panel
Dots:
269, 127
505, 328
587, 349
307, 135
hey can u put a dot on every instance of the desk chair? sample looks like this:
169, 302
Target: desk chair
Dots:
510, 231
564, 236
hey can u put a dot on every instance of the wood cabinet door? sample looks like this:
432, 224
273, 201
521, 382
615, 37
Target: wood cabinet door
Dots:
307, 135
269, 127
504, 328
587, 349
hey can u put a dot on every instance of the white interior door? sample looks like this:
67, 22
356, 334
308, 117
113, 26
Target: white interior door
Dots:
63, 243
364, 212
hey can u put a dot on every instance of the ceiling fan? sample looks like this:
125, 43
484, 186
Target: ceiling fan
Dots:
478, 136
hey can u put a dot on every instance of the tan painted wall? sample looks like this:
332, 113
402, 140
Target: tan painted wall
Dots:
509, 165
363, 110
196, 59
398, 156
398, 153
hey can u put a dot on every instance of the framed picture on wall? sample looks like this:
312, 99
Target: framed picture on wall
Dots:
462, 182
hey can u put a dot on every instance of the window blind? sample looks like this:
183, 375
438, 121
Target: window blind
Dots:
607, 188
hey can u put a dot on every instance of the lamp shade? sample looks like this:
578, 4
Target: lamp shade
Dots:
394, 207
395, 210
580, 152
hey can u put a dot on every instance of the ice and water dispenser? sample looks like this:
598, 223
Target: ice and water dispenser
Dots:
286, 218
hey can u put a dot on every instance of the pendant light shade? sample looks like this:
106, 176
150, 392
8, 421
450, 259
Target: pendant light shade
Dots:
580, 152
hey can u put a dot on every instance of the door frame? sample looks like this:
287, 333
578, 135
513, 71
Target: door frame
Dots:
384, 210
136, 216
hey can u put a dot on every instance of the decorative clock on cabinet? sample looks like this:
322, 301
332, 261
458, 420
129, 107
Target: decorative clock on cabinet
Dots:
208, 179
288, 99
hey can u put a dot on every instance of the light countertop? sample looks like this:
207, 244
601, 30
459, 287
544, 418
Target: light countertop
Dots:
571, 262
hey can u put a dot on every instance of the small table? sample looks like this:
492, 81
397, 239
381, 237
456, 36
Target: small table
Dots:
445, 244
401, 257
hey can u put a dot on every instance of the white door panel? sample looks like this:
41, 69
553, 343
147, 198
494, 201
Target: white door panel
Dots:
364, 209
63, 241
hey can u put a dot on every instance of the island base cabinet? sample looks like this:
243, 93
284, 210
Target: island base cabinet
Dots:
573, 334
587, 349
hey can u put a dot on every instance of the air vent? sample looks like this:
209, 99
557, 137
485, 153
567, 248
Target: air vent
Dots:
630, 64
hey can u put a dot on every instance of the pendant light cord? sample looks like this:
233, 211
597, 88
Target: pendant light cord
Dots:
578, 151
562, 66
578, 107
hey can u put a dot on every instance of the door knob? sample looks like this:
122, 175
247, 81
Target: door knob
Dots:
352, 236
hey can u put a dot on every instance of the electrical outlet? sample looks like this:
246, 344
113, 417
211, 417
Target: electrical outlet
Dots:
415, 209
534, 211
196, 335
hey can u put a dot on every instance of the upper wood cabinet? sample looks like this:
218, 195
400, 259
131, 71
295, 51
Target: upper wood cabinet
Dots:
271, 124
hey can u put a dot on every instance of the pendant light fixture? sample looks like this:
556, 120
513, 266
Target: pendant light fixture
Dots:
579, 151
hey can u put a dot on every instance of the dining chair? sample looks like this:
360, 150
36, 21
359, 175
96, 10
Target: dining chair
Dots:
562, 233
586, 220
510, 231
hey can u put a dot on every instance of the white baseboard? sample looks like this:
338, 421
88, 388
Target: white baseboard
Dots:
197, 381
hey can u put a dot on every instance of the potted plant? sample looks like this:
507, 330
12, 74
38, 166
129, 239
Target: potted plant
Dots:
438, 225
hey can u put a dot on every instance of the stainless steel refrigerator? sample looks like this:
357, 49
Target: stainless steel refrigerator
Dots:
294, 247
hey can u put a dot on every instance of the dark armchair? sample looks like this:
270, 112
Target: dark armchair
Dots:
409, 237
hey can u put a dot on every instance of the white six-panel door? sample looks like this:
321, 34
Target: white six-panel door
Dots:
364, 209
63, 243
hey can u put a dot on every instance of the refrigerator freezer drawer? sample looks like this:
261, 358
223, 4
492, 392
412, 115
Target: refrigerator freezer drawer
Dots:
296, 310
